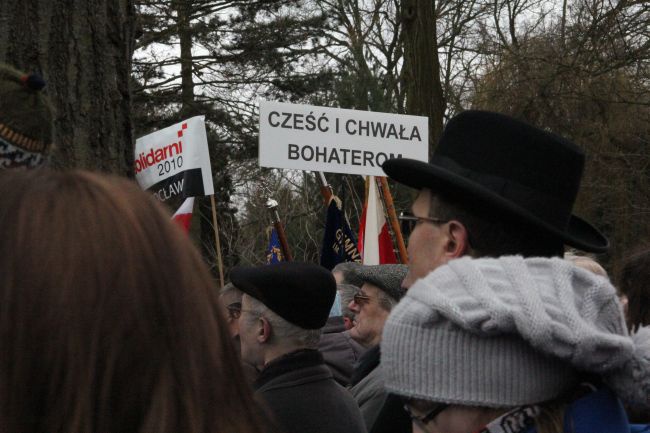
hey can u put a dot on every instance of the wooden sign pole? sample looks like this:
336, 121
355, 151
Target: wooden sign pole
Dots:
216, 239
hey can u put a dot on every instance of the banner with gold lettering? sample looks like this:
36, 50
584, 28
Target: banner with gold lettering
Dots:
339, 243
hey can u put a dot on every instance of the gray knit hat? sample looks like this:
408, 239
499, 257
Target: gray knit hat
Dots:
386, 277
511, 331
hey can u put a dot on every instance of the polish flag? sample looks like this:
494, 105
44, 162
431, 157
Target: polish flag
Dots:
183, 215
375, 243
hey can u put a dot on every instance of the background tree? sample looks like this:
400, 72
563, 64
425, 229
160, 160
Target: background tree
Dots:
216, 58
83, 50
582, 72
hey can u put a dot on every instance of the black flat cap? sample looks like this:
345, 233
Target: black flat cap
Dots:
492, 161
300, 293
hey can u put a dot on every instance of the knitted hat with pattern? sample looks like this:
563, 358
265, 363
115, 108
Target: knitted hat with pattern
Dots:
511, 331
25, 119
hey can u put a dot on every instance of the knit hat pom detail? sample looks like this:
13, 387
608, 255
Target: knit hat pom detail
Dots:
631, 382
33, 82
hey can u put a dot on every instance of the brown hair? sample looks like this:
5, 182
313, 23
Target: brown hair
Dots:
634, 283
108, 317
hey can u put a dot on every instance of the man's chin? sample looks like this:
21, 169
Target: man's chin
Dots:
354, 334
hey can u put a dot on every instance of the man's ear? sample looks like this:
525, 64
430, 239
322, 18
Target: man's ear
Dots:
264, 330
457, 240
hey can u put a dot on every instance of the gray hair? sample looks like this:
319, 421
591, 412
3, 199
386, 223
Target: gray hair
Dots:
386, 301
347, 292
282, 330
347, 269
230, 288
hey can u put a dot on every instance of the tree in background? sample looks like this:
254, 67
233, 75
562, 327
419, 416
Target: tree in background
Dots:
577, 67
216, 58
83, 50
582, 73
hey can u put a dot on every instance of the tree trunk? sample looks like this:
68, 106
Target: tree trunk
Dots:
183, 13
83, 50
421, 69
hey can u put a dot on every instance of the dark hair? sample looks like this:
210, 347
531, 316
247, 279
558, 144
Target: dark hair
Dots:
494, 235
634, 282
108, 317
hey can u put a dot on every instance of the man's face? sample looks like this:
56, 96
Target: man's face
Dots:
249, 330
370, 317
427, 243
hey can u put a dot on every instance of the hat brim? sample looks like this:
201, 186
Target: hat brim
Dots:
417, 174
238, 276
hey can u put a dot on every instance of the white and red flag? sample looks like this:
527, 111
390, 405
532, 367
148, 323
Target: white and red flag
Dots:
375, 243
183, 216
174, 163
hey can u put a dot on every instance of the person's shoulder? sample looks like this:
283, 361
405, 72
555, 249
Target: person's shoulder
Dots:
369, 386
640, 428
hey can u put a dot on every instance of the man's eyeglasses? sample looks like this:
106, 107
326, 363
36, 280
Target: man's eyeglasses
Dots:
361, 298
423, 420
409, 221
234, 310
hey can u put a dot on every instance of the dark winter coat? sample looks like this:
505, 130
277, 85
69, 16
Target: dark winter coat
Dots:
301, 396
340, 351
382, 412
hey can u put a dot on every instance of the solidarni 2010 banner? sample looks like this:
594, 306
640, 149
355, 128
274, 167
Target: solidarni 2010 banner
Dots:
175, 161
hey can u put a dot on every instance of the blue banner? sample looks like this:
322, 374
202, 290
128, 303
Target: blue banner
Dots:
339, 243
274, 252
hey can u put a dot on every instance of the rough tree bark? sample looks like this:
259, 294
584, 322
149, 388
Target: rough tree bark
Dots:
83, 49
421, 71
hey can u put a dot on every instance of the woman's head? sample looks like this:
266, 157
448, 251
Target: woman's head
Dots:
108, 318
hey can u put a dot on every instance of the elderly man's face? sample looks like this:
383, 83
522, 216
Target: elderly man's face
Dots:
231, 305
249, 331
426, 245
370, 316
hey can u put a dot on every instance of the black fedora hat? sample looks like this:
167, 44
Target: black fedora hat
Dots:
492, 160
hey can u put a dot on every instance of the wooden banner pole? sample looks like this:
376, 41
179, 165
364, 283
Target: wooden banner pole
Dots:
216, 238
384, 192
325, 188
272, 206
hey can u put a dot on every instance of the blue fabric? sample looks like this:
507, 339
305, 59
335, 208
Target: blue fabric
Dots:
598, 412
336, 306
339, 243
274, 252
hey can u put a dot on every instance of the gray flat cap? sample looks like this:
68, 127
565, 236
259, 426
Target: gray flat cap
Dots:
387, 277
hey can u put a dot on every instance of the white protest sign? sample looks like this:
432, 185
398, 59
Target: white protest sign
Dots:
335, 140
175, 161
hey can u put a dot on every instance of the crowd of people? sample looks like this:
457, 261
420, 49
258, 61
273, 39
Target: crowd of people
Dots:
111, 322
